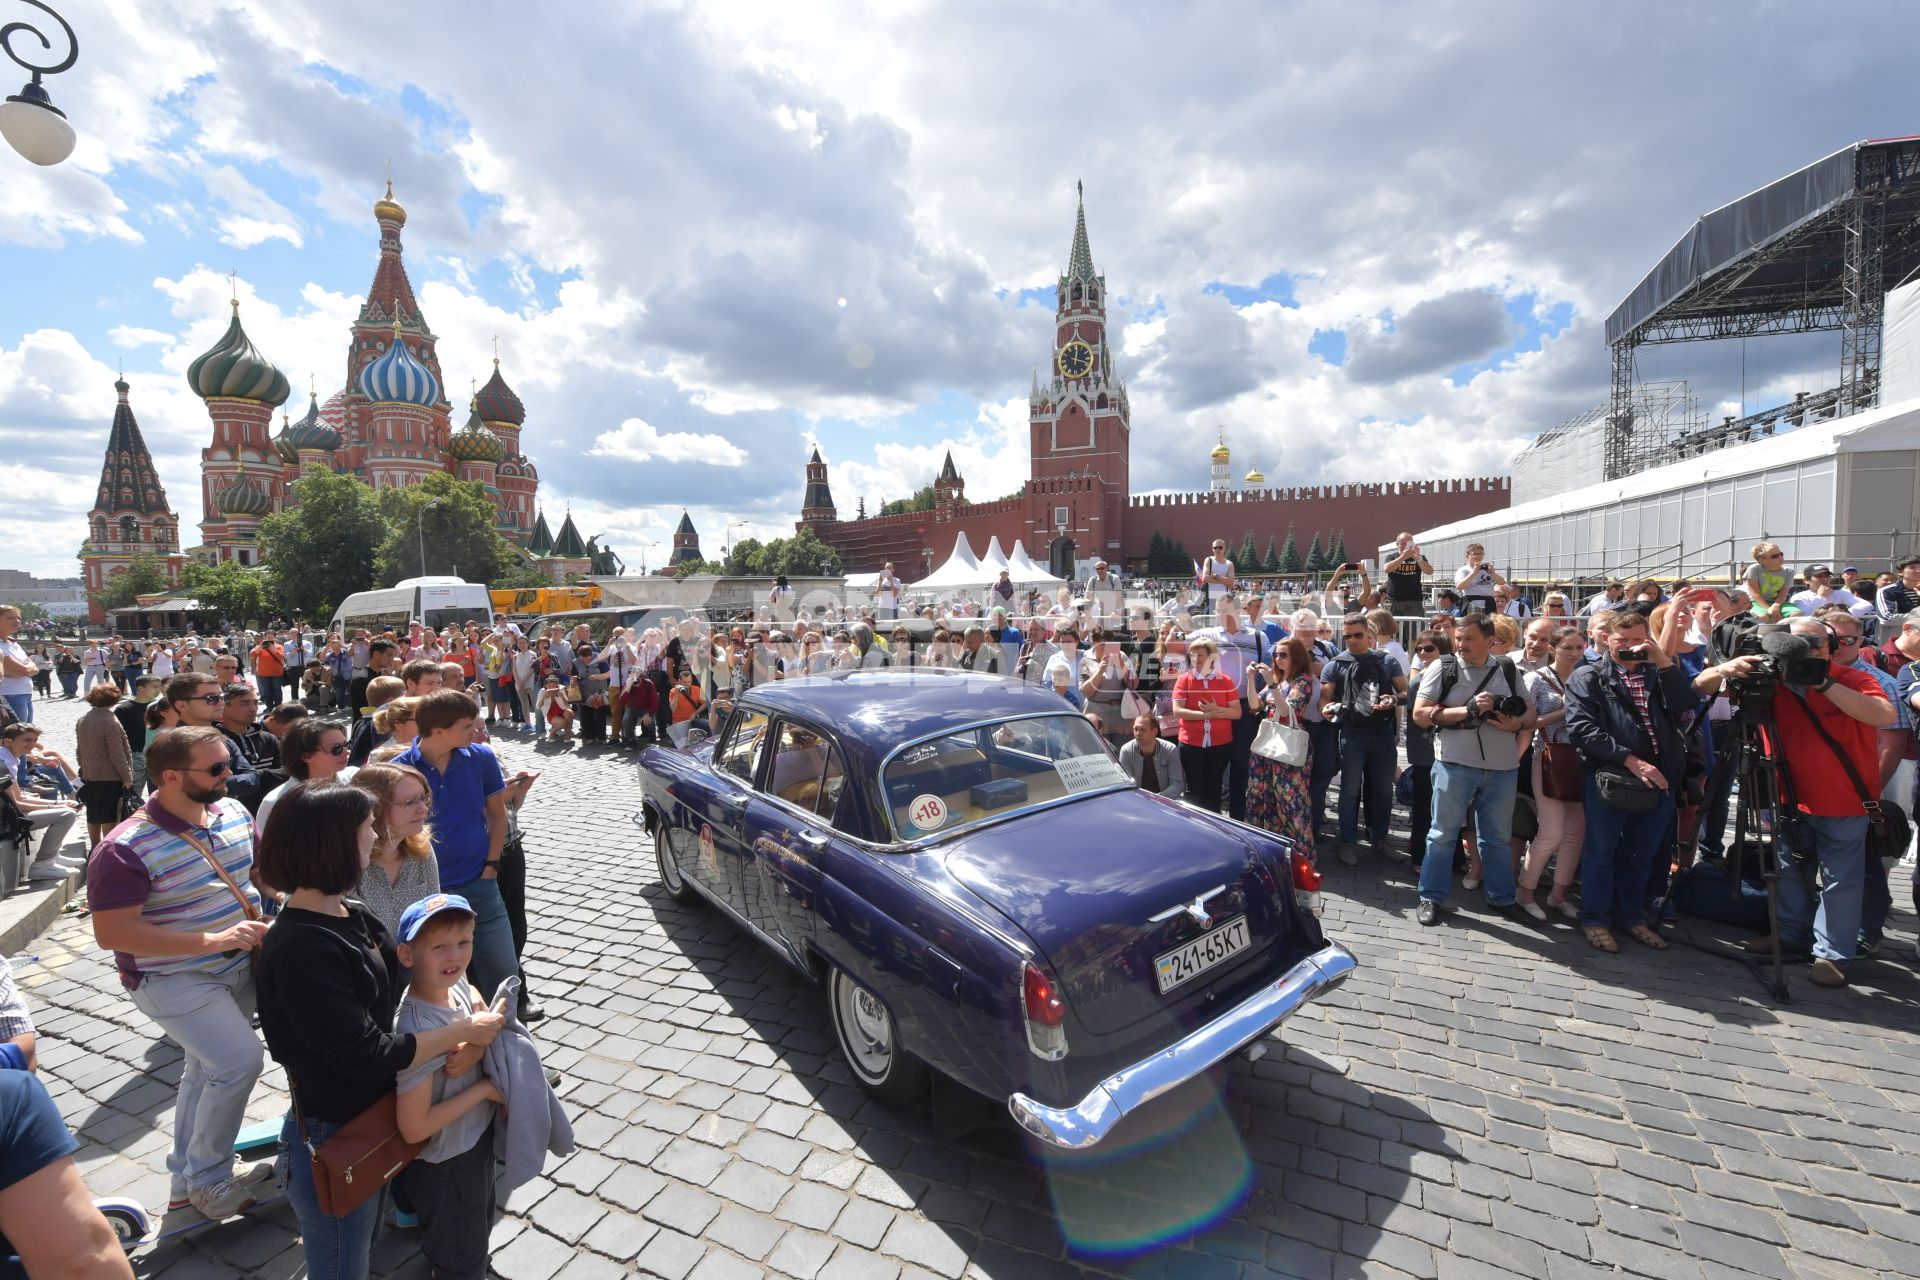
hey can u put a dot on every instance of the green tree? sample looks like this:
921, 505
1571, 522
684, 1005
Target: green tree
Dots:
1180, 561
922, 500
143, 575
518, 571
1316, 559
1337, 552
230, 589
454, 519
1247, 558
1290, 554
1270, 563
320, 550
1157, 554
802, 556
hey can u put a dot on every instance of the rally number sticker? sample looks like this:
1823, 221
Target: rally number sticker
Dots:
928, 812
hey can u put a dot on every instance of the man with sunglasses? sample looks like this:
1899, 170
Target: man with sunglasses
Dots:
198, 701
1216, 576
172, 897
1850, 648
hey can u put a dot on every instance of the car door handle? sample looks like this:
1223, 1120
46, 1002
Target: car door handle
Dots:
813, 840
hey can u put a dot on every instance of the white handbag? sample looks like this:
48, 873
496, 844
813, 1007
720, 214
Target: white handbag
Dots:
1133, 706
1282, 743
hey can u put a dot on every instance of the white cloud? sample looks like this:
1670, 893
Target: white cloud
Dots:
128, 335
637, 440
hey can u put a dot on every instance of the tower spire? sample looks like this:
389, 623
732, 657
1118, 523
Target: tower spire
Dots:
1080, 260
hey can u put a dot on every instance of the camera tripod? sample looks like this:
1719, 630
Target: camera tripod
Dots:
1764, 809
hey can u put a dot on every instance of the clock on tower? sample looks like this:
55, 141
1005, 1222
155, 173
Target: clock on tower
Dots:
1076, 359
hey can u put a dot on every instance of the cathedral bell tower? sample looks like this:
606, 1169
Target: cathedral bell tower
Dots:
1080, 427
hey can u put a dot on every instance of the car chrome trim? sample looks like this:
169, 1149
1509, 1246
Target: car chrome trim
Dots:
1094, 1116
1197, 908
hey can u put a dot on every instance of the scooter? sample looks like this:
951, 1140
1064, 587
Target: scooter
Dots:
135, 1227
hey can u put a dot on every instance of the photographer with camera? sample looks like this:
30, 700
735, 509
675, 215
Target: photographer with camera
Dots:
1476, 581
1623, 716
1406, 595
1825, 714
1479, 704
1360, 694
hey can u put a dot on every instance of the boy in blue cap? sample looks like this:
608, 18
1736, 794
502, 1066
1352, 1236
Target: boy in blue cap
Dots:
450, 1183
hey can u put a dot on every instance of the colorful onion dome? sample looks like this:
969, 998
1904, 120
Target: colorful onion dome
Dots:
476, 442
388, 208
282, 445
333, 413
497, 403
244, 498
397, 378
236, 370
311, 432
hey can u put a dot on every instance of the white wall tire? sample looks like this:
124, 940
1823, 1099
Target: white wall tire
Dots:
870, 1043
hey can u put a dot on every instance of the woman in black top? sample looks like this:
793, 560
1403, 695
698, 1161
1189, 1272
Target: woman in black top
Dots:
329, 984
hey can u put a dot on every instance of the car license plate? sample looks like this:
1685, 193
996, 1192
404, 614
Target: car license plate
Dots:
1190, 959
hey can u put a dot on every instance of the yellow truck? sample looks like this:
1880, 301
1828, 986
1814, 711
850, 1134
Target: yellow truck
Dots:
537, 601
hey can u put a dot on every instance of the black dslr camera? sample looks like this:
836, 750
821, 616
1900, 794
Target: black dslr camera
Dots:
1784, 657
1511, 705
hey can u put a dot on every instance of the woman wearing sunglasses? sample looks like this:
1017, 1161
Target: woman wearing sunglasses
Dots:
313, 751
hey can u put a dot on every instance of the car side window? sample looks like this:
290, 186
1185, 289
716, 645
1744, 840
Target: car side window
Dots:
740, 753
800, 759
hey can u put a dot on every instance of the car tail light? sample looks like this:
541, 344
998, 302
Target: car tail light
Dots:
1306, 882
1045, 1013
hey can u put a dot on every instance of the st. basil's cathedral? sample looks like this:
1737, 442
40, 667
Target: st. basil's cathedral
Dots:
391, 425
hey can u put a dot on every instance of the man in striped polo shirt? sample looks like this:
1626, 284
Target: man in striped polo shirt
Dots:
181, 932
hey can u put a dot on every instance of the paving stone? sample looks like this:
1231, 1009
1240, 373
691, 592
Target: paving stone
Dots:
926, 1245
532, 1255
801, 1254
620, 1236
687, 1210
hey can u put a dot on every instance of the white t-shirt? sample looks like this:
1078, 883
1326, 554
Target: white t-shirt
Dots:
1477, 583
162, 663
886, 592
1216, 565
15, 684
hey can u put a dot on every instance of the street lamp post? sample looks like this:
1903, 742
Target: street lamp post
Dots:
644, 548
420, 532
29, 121
726, 548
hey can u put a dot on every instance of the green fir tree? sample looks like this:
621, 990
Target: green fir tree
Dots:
1338, 553
1247, 558
1290, 553
1316, 561
1270, 563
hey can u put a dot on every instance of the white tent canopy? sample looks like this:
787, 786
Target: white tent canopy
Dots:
962, 553
993, 560
1022, 569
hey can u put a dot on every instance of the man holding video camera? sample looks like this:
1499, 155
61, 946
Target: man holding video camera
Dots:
1477, 701
1826, 732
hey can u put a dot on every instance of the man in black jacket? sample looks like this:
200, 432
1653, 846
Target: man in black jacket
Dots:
132, 715
1624, 715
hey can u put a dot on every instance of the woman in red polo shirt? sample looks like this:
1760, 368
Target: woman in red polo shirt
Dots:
1205, 701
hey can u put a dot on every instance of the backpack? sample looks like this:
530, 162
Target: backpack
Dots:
1450, 676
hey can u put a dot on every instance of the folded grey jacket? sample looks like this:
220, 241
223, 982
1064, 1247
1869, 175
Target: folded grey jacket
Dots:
532, 1123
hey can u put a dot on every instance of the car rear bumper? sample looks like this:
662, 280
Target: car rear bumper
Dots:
1094, 1116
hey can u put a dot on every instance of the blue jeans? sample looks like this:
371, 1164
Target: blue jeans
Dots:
1617, 859
61, 786
494, 960
1367, 757
1324, 740
1876, 902
21, 704
269, 690
69, 682
336, 1248
1840, 860
1487, 794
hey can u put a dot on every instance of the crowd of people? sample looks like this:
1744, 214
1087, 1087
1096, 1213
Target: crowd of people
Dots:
314, 826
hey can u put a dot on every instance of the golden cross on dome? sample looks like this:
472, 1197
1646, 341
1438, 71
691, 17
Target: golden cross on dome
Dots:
496, 351
233, 288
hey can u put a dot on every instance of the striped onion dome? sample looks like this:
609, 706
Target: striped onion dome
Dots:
244, 498
476, 442
235, 369
497, 403
311, 432
398, 378
333, 413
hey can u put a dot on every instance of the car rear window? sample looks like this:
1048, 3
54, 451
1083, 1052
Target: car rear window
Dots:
992, 771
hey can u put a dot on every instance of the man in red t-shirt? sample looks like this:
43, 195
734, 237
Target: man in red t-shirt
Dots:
1850, 705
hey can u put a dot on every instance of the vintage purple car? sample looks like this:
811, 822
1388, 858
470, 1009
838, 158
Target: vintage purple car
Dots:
961, 864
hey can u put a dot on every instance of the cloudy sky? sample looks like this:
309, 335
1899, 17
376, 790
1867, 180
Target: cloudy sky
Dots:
1369, 241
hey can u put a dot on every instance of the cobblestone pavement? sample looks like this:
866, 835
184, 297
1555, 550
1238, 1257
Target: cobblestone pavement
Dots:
1479, 1100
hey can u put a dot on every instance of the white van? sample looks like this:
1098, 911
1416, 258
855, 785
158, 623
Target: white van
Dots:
433, 602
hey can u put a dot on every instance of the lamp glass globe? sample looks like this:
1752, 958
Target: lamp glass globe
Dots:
36, 132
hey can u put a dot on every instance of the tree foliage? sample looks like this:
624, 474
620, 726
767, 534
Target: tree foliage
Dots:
142, 576
922, 500
1316, 558
320, 550
1270, 563
1337, 549
1247, 558
230, 589
801, 556
453, 520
